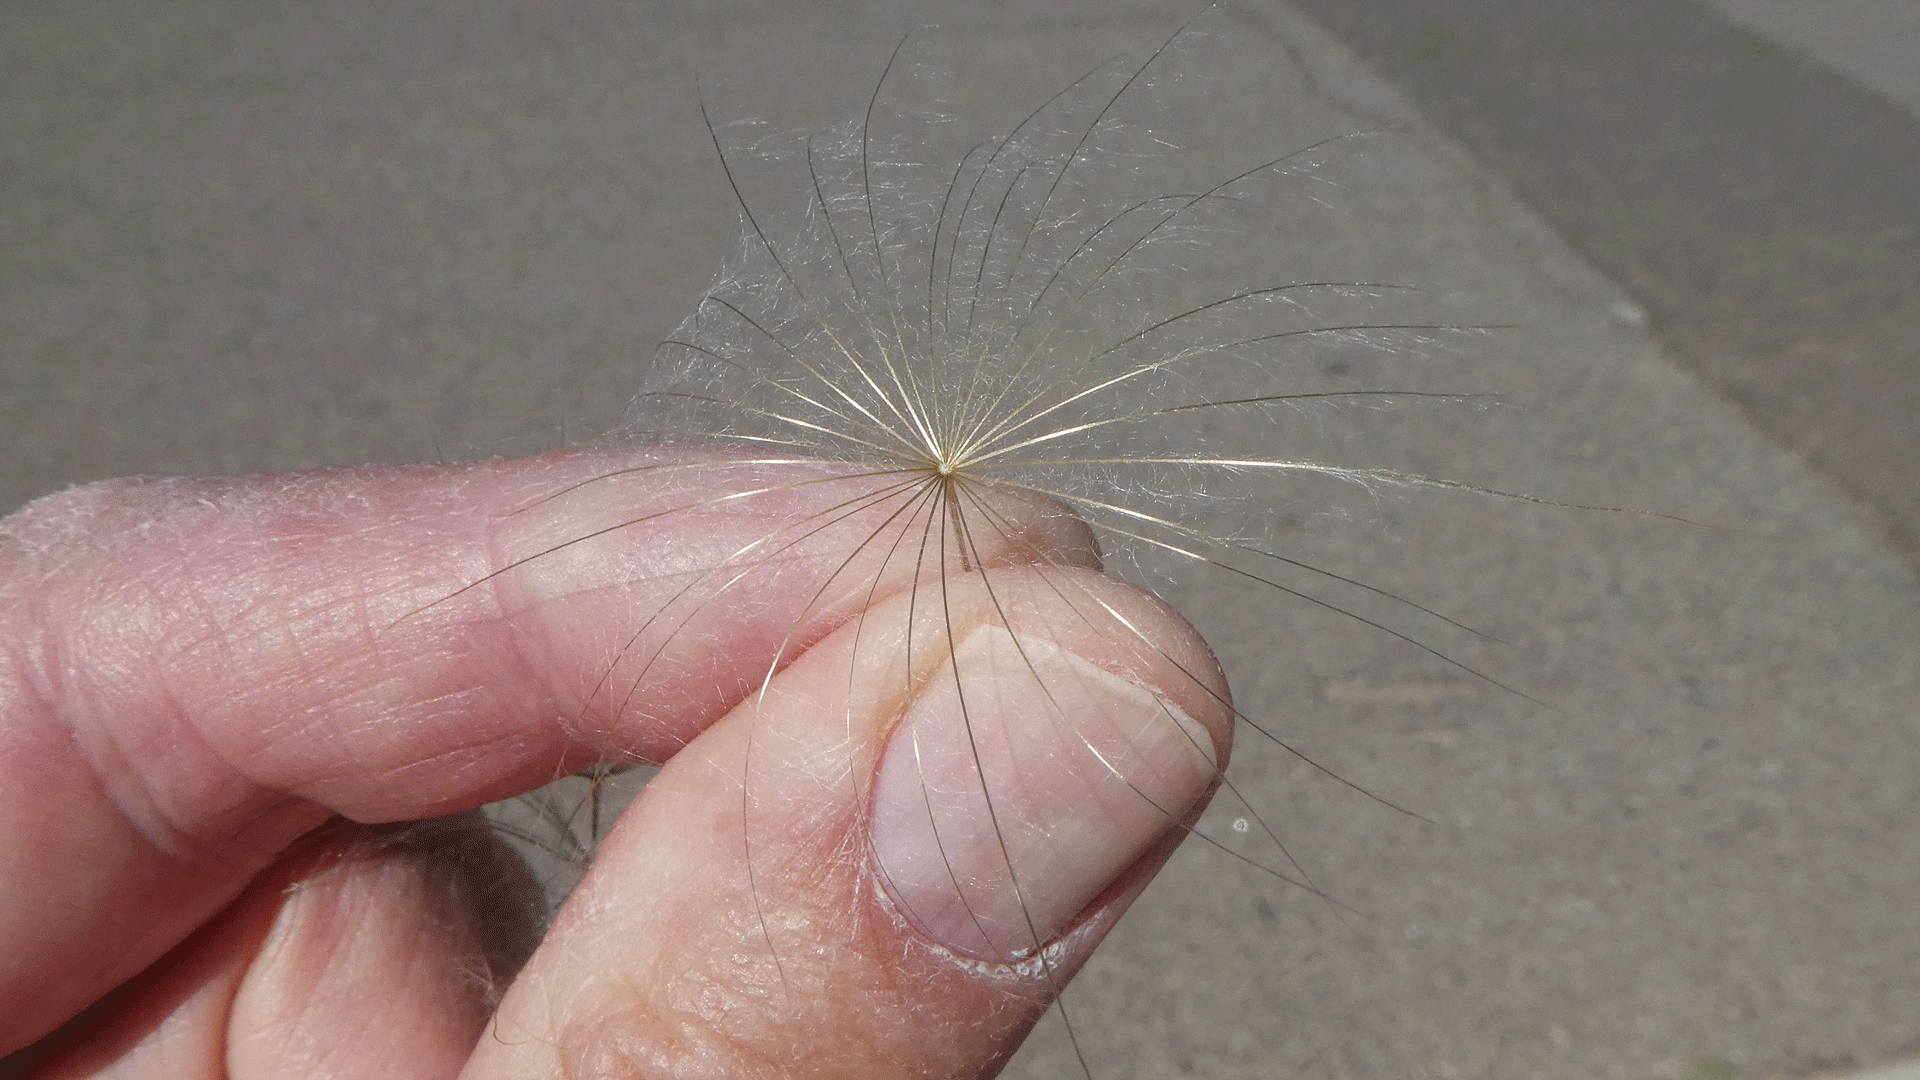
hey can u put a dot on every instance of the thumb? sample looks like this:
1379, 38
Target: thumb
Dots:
889, 859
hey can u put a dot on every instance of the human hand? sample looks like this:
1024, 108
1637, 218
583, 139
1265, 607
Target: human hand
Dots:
218, 696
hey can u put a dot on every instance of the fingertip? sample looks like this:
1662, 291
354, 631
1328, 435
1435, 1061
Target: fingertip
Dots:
750, 913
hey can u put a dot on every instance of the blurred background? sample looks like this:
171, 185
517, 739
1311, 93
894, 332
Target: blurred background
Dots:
266, 235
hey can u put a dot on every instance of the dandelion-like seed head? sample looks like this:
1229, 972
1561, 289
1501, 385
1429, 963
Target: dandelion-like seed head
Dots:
1026, 315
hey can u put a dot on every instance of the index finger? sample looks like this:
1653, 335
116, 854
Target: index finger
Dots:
196, 672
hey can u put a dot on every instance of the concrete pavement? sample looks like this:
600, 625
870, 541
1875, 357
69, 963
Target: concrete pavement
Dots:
249, 236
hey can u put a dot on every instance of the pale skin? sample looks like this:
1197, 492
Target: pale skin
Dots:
219, 697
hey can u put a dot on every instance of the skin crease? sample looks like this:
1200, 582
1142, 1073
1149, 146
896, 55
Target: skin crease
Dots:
215, 691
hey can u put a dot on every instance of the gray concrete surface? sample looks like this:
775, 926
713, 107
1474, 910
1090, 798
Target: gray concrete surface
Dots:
1760, 205
1909, 1071
243, 236
1872, 41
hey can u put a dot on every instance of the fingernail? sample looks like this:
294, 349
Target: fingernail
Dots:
1021, 782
